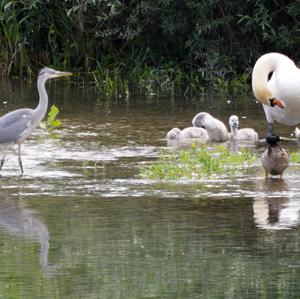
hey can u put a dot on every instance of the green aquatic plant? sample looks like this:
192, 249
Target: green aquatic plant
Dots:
52, 122
295, 157
240, 84
222, 85
110, 81
196, 163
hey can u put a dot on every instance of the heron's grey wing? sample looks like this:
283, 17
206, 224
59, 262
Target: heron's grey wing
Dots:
15, 125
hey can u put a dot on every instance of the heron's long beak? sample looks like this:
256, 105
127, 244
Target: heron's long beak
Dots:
61, 74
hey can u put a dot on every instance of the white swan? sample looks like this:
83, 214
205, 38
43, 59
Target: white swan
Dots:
245, 134
216, 129
187, 133
281, 91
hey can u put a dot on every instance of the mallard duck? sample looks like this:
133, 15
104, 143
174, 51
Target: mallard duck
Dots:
188, 133
245, 134
281, 91
274, 159
216, 129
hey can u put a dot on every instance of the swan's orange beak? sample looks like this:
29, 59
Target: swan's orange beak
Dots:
278, 103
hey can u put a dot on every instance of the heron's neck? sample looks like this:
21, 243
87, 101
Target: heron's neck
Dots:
41, 109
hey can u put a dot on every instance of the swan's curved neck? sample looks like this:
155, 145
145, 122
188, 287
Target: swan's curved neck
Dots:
263, 67
41, 109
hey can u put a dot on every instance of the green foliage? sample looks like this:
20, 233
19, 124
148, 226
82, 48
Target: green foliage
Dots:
52, 122
148, 45
110, 83
295, 157
196, 163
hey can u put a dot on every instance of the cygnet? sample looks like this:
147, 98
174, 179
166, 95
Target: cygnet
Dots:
187, 133
216, 129
245, 134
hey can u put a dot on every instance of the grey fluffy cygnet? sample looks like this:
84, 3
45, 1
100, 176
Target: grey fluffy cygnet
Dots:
216, 129
187, 133
245, 134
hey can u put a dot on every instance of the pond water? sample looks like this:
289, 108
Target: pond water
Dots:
81, 223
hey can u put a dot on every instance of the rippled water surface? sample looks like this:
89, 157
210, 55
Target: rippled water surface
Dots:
82, 223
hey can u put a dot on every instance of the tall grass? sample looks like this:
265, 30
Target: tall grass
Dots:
117, 81
110, 82
13, 53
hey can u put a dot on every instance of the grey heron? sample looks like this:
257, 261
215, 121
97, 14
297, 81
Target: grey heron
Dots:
17, 125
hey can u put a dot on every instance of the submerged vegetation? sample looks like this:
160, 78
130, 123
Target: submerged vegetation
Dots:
197, 163
147, 46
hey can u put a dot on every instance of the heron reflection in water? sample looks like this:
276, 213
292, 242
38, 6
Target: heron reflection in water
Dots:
17, 125
19, 221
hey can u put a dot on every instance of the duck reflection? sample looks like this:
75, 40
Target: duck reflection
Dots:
276, 209
20, 221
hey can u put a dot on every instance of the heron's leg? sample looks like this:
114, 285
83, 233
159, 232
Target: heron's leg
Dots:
19, 158
2, 161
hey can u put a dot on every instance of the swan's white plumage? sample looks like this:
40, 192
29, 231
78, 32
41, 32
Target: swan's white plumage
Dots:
216, 129
283, 85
